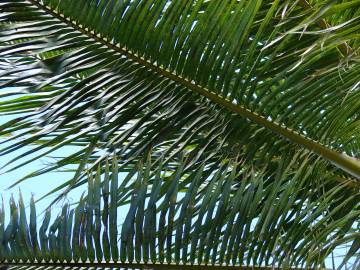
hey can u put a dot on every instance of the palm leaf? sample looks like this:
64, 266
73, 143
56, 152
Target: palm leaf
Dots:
232, 218
95, 80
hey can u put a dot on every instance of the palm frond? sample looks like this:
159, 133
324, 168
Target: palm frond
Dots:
232, 216
98, 78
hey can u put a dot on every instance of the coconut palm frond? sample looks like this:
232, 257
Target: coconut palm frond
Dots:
160, 75
230, 216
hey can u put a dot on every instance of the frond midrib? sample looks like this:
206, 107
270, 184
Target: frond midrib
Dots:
349, 164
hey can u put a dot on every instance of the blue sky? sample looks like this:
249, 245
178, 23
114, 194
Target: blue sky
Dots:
39, 185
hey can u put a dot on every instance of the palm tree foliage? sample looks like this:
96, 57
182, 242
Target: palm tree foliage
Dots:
245, 114
230, 216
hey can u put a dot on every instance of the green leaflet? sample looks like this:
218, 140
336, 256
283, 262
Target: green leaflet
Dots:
113, 211
97, 227
33, 229
76, 230
105, 214
3, 247
24, 230
44, 237
89, 228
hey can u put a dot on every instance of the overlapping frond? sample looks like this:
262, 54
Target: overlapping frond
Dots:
227, 216
238, 62
77, 87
